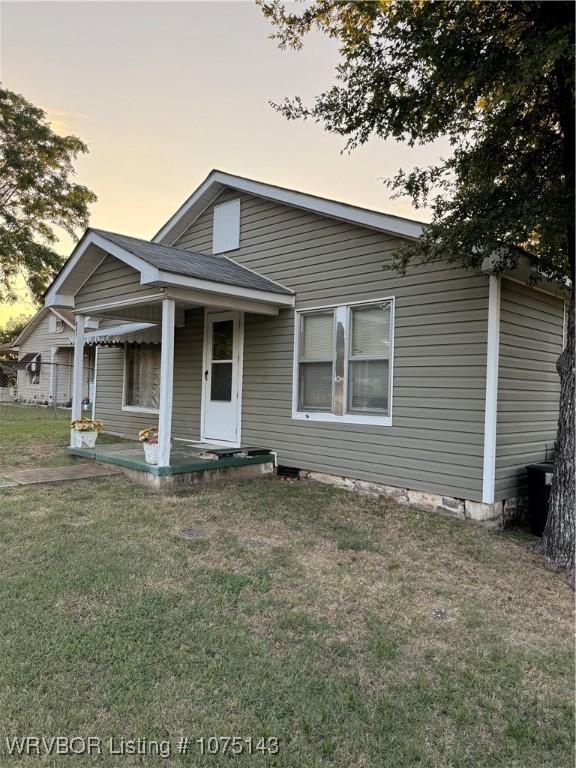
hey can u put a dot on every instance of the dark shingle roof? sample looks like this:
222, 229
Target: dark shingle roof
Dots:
191, 264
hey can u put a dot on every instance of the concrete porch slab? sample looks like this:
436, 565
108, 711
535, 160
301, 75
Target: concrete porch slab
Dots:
57, 474
183, 459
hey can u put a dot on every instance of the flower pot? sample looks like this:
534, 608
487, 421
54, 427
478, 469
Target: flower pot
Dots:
86, 439
150, 452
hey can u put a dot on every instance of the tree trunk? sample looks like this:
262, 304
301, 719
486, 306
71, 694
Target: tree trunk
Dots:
559, 539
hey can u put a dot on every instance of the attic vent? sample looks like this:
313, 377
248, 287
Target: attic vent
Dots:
226, 227
55, 324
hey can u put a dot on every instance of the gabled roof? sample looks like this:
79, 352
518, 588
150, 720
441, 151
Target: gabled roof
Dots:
61, 314
219, 269
162, 265
217, 181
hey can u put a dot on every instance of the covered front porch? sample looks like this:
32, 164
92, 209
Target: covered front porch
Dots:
141, 304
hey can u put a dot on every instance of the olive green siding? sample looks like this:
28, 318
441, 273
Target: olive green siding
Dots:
112, 281
436, 441
187, 385
531, 334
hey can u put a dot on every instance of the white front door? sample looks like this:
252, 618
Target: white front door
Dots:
222, 377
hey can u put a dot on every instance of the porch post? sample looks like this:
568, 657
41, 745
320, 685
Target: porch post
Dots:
77, 372
166, 378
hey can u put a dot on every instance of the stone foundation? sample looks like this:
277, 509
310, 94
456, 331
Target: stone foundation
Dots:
187, 479
498, 515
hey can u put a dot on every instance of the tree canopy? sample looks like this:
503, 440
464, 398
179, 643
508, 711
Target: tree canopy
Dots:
497, 79
13, 327
37, 195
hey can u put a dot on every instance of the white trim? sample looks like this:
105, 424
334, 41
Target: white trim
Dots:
53, 353
150, 275
95, 384
92, 238
237, 382
240, 376
77, 374
139, 409
203, 380
59, 300
166, 382
345, 418
224, 289
55, 312
553, 289
147, 270
218, 180
32, 324
133, 408
124, 304
220, 303
491, 402
258, 274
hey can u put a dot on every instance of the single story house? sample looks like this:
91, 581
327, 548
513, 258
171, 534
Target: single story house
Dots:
45, 349
267, 319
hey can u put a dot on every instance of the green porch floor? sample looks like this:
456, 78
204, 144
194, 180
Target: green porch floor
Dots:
182, 459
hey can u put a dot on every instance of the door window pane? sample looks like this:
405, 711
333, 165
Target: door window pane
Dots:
317, 336
368, 386
221, 383
143, 375
222, 339
370, 331
316, 386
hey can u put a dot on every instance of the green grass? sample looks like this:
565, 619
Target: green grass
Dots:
36, 436
304, 612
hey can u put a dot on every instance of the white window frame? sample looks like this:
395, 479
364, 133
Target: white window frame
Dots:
342, 313
132, 408
33, 376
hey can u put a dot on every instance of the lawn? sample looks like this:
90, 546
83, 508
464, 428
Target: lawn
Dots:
358, 632
36, 436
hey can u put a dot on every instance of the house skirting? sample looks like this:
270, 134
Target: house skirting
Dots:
186, 479
497, 515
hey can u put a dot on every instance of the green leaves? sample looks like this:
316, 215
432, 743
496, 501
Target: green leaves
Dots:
496, 78
37, 195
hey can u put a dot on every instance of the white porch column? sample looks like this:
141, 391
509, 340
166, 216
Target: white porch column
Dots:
491, 402
77, 372
166, 380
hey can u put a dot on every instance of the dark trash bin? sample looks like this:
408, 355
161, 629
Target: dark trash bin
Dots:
539, 488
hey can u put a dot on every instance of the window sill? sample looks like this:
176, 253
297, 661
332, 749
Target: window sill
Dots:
139, 409
349, 418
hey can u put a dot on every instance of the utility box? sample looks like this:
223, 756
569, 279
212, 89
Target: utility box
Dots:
539, 488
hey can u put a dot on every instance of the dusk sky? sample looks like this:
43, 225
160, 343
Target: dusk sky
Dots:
164, 92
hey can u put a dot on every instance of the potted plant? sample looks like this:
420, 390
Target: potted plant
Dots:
86, 432
149, 439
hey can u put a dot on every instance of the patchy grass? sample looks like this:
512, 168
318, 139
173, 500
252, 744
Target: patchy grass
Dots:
361, 633
36, 436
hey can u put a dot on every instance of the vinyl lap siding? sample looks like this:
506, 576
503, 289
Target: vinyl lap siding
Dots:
531, 326
43, 340
187, 386
40, 340
436, 441
112, 281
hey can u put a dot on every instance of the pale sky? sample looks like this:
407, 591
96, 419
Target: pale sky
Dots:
163, 92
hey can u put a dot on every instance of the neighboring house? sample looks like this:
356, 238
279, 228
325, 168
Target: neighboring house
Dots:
280, 327
45, 349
